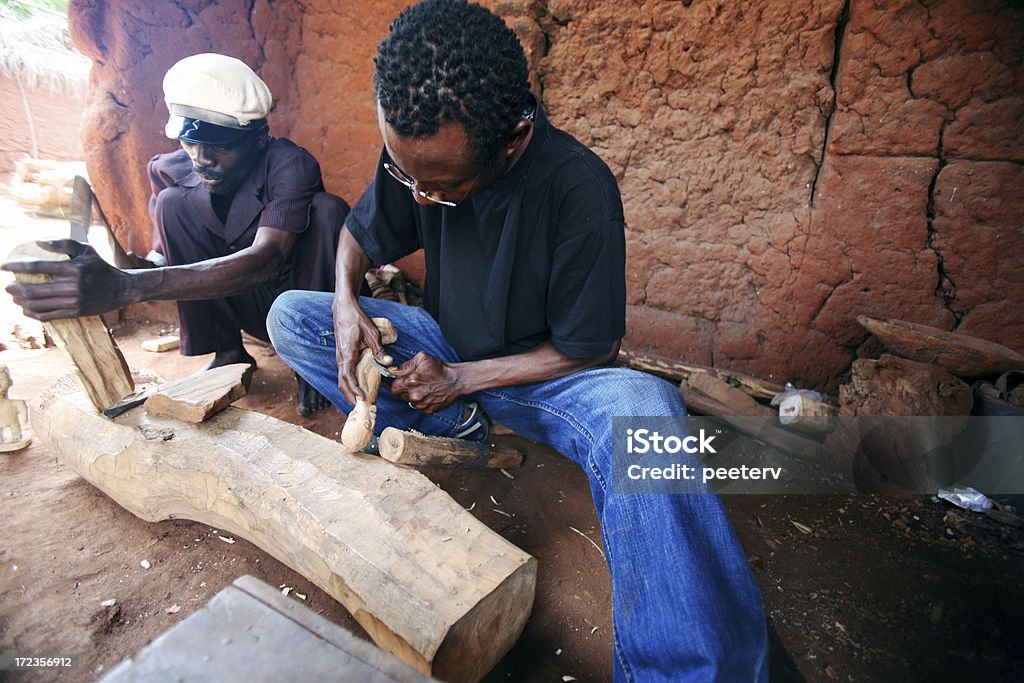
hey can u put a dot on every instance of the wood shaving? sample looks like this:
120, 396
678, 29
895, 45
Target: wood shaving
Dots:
589, 539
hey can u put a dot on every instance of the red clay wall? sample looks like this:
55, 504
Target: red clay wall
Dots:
785, 166
55, 116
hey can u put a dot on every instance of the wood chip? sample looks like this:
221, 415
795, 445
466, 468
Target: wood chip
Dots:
300, 596
589, 539
226, 539
494, 501
802, 528
108, 603
286, 590
173, 609
145, 564
503, 471
568, 678
502, 512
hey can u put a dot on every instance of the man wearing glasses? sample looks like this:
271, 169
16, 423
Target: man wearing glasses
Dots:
523, 238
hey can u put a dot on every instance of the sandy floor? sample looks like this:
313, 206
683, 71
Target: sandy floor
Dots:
856, 587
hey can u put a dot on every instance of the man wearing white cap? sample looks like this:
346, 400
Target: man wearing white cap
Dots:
238, 218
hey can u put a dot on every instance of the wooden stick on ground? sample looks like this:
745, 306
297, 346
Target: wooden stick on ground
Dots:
98, 362
418, 450
677, 371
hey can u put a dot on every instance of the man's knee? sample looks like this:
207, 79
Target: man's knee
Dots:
631, 392
285, 316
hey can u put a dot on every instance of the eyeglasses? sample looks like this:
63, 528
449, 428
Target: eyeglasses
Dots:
401, 177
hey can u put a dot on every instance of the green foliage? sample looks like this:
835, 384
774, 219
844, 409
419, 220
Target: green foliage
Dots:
26, 8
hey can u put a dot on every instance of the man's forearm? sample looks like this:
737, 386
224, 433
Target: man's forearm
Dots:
350, 267
211, 279
542, 363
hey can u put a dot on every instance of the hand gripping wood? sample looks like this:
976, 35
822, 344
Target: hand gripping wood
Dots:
358, 430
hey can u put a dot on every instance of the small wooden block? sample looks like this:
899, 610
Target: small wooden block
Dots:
418, 450
161, 344
203, 394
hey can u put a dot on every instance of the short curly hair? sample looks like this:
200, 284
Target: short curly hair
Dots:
447, 61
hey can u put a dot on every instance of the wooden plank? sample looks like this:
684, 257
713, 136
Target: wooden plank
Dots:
250, 632
161, 344
679, 371
418, 450
961, 354
733, 401
196, 397
429, 582
98, 362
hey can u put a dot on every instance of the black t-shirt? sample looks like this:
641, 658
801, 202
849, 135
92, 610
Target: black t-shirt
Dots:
537, 255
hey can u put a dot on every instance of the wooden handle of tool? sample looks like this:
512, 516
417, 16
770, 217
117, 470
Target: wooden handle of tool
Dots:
358, 430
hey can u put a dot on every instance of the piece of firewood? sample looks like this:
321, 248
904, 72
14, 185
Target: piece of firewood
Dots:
197, 397
961, 354
86, 341
678, 371
358, 430
161, 344
418, 450
427, 581
733, 400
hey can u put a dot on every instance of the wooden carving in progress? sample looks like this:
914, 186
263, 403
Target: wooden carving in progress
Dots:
358, 430
427, 581
98, 362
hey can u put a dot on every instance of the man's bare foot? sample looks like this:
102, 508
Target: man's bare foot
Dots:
229, 357
309, 400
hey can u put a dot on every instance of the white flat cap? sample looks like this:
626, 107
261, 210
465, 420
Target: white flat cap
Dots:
216, 89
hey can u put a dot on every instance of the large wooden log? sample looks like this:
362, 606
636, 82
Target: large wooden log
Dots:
961, 354
98, 362
428, 581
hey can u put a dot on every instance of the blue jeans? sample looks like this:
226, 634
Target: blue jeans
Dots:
685, 605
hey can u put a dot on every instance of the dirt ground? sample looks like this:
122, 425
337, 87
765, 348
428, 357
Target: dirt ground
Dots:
856, 587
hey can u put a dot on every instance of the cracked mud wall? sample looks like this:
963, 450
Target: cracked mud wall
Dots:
785, 166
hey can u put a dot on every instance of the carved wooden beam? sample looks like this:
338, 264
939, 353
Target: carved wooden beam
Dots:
428, 581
